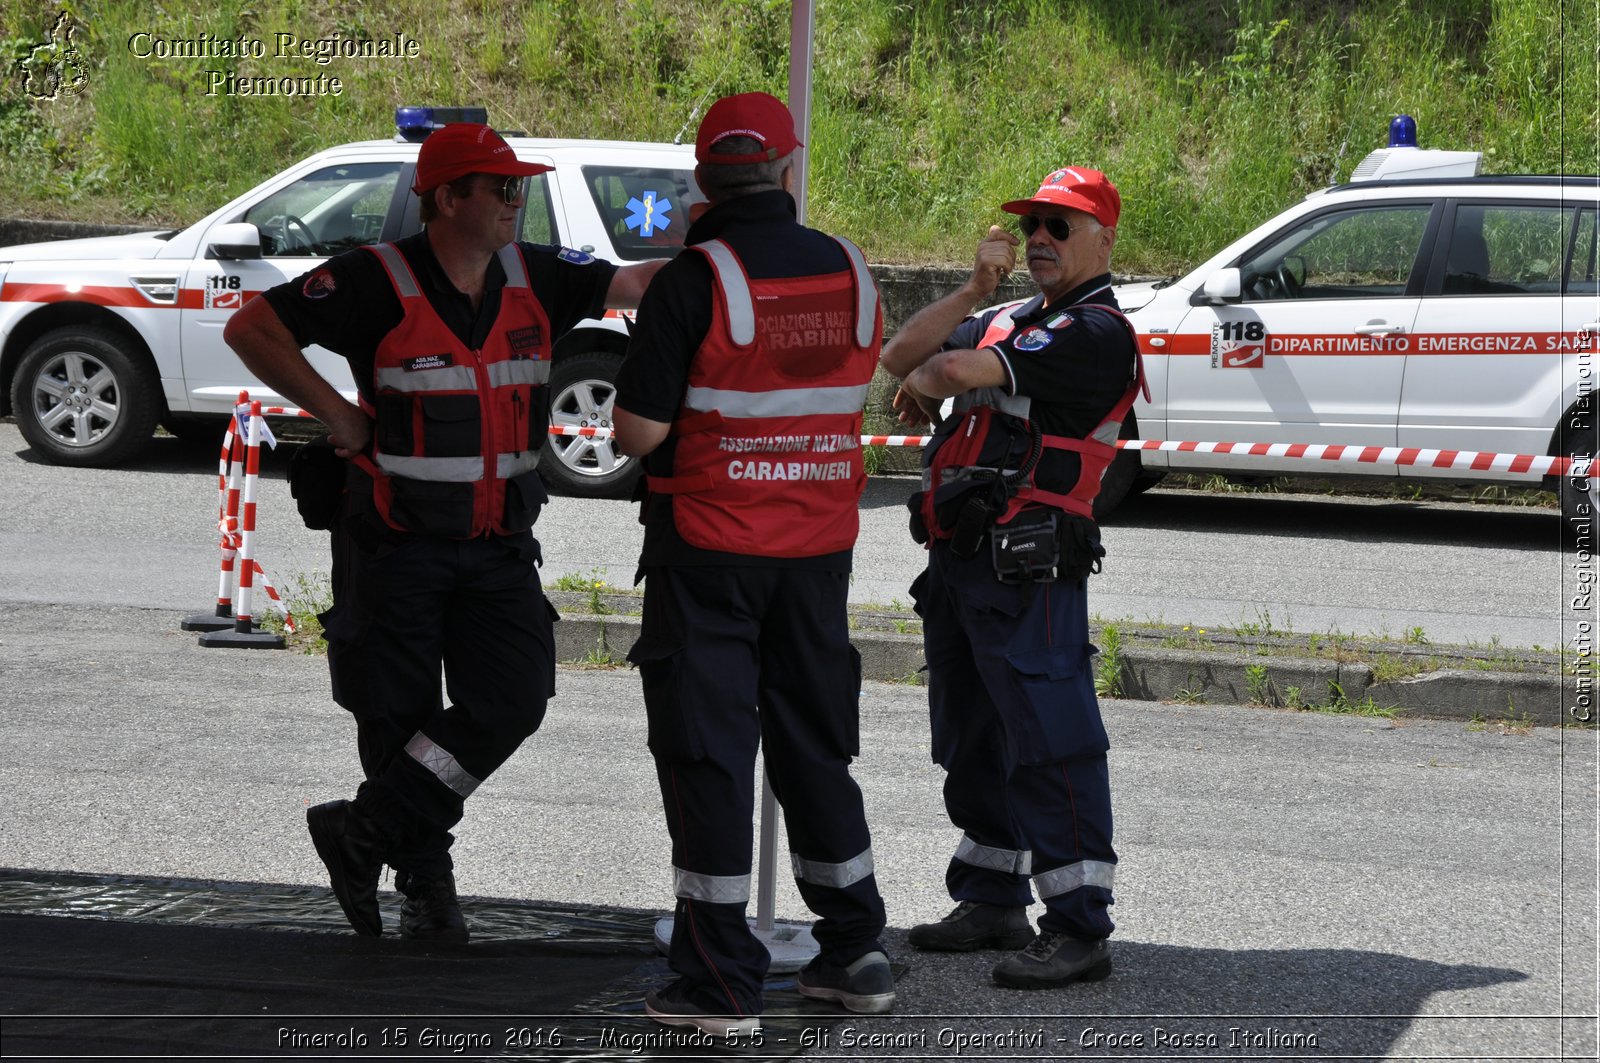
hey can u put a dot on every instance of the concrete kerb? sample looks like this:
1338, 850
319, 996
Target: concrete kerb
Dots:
1225, 675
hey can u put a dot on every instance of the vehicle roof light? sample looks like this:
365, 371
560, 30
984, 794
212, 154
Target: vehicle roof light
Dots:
413, 124
1403, 131
1403, 159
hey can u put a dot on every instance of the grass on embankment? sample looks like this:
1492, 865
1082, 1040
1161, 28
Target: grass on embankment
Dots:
1210, 116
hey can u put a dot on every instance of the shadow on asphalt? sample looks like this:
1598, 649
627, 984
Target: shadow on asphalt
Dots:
1348, 519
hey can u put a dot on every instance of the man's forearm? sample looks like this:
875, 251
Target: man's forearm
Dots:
925, 332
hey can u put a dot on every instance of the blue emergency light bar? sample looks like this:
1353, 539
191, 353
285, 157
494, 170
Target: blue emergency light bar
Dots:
415, 123
1403, 132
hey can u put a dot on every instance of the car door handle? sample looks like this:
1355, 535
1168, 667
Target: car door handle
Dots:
1378, 328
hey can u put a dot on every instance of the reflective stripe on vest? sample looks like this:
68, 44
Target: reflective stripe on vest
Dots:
405, 285
442, 764
1066, 879
1010, 861
456, 470
444, 378
834, 876
790, 402
867, 306
735, 289
713, 889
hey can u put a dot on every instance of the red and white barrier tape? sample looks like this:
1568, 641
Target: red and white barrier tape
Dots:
238, 470
1457, 460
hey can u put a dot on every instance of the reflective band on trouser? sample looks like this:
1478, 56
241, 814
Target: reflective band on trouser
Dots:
867, 310
439, 470
838, 876
790, 402
508, 465
531, 371
1066, 879
735, 291
444, 378
442, 763
1011, 861
713, 889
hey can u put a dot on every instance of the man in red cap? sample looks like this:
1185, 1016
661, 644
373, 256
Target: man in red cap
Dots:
743, 389
1006, 512
449, 336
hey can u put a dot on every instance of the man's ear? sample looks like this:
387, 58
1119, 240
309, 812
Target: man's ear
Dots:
787, 180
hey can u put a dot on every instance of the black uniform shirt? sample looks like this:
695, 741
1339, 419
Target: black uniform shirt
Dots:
1073, 365
348, 303
674, 317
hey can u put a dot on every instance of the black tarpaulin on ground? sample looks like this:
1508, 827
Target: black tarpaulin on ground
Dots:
126, 967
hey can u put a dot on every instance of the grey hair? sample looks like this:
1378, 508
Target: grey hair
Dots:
721, 181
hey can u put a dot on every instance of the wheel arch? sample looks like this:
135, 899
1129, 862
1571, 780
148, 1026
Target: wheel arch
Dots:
588, 338
67, 315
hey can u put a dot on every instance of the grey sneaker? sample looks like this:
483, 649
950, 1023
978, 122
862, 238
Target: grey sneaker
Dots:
865, 987
1055, 960
671, 1006
974, 925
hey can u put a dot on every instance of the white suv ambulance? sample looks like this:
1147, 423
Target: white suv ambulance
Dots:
1419, 305
102, 339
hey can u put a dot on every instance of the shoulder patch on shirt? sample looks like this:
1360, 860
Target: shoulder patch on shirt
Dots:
1059, 321
319, 285
577, 258
427, 361
1035, 339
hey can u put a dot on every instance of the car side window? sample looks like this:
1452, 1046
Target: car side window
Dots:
1581, 259
1354, 254
326, 212
1510, 249
538, 214
645, 211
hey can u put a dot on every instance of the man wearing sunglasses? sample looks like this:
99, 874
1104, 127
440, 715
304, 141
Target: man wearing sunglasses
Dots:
1005, 510
449, 336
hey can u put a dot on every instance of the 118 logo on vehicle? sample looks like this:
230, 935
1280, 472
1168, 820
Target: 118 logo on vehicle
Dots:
1238, 345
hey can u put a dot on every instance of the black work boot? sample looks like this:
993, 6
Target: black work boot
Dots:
1055, 960
350, 844
974, 925
430, 911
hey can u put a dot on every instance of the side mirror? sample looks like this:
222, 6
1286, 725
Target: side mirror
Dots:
1222, 286
235, 240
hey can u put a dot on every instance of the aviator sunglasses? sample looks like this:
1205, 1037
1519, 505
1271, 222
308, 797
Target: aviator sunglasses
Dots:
510, 189
1057, 227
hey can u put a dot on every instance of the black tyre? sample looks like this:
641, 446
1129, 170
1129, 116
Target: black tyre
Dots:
80, 398
1123, 476
583, 393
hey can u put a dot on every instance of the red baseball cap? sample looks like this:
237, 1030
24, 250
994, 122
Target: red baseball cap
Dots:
461, 148
750, 114
1075, 187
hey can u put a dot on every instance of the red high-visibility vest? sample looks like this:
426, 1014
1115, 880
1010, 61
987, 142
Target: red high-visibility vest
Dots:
975, 442
456, 432
768, 453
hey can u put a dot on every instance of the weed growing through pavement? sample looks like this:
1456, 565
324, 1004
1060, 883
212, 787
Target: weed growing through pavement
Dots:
1108, 666
305, 597
1257, 684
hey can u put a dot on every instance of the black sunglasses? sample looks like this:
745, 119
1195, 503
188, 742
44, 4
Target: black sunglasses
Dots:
1056, 226
510, 189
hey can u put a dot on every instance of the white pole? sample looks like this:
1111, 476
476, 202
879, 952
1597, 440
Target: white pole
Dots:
801, 28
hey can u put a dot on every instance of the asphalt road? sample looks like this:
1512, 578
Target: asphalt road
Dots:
1423, 890
144, 535
1387, 890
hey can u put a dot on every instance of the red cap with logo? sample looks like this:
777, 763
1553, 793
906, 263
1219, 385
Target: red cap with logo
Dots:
1075, 187
461, 148
757, 115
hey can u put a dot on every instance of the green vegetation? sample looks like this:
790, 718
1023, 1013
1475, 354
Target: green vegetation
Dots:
1109, 663
1210, 116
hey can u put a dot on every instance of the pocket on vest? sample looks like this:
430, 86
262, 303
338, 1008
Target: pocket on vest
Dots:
1057, 716
452, 426
431, 507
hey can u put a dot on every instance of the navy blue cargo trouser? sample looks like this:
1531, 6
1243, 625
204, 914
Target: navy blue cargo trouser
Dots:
1017, 728
405, 607
732, 659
